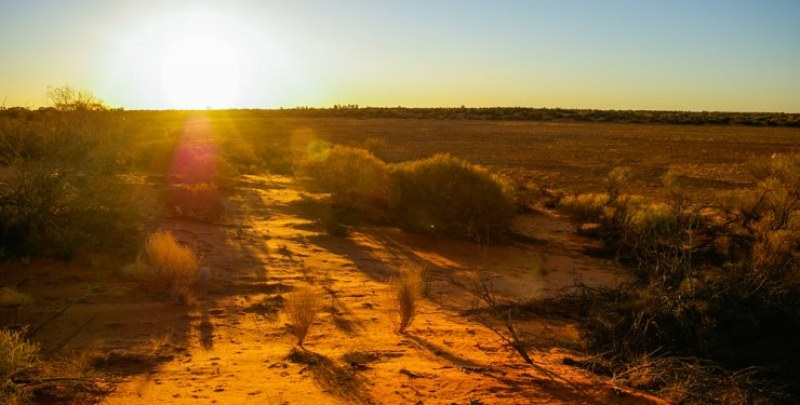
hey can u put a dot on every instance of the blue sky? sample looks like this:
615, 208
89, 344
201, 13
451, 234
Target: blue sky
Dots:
676, 55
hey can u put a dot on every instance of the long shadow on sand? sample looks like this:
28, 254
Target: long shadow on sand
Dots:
557, 390
332, 378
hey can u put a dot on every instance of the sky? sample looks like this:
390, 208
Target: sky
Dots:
599, 54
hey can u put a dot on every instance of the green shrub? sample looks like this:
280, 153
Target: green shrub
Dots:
444, 194
354, 177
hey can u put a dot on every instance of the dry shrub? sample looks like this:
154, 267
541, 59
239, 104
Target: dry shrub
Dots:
695, 381
17, 356
406, 289
378, 146
60, 187
200, 201
52, 212
153, 155
354, 177
617, 181
441, 194
172, 267
718, 283
444, 194
632, 229
239, 152
302, 307
584, 208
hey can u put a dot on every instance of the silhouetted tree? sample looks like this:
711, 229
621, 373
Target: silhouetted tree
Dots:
66, 98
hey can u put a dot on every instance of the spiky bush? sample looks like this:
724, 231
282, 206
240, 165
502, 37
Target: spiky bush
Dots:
448, 195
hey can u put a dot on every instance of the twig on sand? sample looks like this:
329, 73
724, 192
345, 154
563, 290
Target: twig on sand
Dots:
44, 323
68, 339
483, 290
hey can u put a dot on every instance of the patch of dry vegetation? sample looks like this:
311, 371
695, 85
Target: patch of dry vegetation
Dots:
444, 194
439, 195
198, 201
59, 185
302, 307
166, 266
354, 177
17, 357
716, 283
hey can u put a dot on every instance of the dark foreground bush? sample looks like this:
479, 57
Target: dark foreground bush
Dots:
716, 288
17, 357
60, 186
444, 194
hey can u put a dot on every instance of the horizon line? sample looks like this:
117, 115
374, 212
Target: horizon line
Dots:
346, 107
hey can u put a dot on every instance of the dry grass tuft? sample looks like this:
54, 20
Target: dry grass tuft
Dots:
170, 266
302, 307
404, 296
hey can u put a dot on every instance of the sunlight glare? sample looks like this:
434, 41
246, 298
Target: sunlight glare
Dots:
200, 71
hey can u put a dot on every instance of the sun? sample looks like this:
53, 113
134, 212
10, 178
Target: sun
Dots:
200, 71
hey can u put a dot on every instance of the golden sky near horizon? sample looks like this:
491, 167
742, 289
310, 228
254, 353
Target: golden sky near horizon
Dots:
681, 55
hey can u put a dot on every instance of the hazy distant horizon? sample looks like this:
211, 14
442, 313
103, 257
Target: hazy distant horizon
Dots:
726, 56
367, 107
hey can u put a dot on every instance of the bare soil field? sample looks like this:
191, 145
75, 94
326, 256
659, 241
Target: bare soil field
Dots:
231, 342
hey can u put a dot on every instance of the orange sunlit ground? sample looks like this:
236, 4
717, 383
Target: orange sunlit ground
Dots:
399, 203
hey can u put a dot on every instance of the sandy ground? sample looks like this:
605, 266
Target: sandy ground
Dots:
232, 344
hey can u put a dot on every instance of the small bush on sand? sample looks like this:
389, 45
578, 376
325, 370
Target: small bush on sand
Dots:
444, 194
302, 307
172, 267
354, 177
406, 289
16, 357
